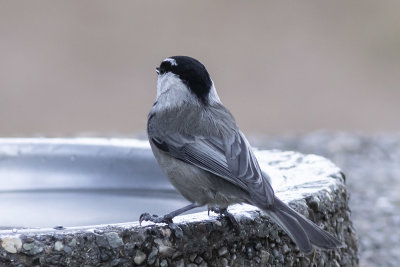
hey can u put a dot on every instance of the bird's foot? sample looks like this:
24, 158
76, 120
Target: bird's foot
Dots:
224, 212
154, 218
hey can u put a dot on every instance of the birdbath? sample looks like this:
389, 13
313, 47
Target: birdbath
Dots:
70, 202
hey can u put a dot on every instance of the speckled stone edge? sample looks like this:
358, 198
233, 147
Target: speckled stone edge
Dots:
195, 240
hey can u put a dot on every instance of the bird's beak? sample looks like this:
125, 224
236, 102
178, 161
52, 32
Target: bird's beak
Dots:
158, 70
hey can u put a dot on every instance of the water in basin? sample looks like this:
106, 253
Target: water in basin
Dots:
76, 182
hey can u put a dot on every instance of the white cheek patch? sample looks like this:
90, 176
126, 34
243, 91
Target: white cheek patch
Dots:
166, 82
171, 60
172, 92
213, 96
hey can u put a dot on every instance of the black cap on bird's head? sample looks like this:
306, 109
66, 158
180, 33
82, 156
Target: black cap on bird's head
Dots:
192, 73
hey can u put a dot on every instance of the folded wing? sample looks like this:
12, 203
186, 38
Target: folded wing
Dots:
230, 158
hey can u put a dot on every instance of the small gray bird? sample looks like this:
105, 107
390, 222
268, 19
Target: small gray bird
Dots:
207, 158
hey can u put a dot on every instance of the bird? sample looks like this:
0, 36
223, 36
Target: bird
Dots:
206, 157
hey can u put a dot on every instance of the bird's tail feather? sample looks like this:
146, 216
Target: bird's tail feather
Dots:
303, 232
293, 228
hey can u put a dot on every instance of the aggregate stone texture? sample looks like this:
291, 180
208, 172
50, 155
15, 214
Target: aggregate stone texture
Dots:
372, 167
310, 184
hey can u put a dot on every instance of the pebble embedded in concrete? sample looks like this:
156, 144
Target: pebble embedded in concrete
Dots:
180, 263
224, 262
285, 249
33, 248
67, 250
314, 203
165, 246
166, 232
11, 244
264, 255
222, 251
198, 260
152, 256
140, 257
58, 246
164, 263
28, 246
114, 240
72, 243
192, 257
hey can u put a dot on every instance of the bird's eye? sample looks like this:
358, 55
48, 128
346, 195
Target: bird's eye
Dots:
158, 70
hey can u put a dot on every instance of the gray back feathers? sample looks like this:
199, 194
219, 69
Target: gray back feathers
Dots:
219, 148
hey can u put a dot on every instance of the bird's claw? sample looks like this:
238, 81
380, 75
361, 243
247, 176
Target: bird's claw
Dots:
154, 218
229, 216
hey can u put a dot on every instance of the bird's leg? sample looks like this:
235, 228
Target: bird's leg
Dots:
224, 212
166, 218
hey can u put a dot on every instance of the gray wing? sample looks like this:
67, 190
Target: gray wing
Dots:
231, 159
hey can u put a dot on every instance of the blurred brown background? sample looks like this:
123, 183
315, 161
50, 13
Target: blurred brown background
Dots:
69, 67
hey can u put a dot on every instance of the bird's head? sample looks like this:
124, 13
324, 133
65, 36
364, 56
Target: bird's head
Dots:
183, 79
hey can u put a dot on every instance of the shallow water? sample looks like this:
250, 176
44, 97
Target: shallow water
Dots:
26, 209
83, 181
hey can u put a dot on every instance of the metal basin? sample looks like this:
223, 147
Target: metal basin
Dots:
81, 181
